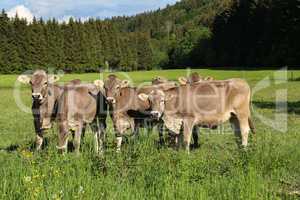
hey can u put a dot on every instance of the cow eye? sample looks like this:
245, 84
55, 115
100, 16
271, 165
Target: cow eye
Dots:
46, 83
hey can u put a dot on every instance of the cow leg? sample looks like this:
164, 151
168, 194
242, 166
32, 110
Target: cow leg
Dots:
63, 137
195, 136
102, 135
161, 133
39, 141
245, 129
241, 127
119, 143
100, 139
136, 130
187, 132
235, 125
97, 136
95, 129
83, 132
77, 138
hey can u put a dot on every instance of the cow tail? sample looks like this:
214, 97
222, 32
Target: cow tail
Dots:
251, 125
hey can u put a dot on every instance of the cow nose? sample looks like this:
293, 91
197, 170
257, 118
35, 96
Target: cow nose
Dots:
111, 100
36, 96
155, 114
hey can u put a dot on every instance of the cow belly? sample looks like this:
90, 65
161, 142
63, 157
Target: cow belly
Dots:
212, 121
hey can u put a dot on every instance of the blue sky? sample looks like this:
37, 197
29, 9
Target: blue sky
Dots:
63, 9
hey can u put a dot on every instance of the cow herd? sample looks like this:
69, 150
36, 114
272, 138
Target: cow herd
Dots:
179, 108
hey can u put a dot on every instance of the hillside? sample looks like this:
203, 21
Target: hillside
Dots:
191, 33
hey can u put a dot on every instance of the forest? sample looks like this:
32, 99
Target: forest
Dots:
192, 33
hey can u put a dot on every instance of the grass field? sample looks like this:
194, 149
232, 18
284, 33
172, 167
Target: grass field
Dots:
268, 169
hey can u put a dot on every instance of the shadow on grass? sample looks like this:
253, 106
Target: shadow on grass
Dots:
31, 146
17, 147
296, 79
292, 107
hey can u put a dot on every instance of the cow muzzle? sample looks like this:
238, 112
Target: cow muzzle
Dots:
37, 96
156, 114
111, 100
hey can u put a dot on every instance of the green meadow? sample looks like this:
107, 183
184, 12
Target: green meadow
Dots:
268, 169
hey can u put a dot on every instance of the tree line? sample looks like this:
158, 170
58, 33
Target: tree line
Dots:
191, 33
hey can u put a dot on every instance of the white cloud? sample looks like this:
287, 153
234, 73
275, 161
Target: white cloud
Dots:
21, 11
63, 9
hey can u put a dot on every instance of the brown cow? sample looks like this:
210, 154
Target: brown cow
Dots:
126, 110
45, 96
207, 104
81, 105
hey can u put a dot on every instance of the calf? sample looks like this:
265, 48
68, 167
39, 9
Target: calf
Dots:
205, 104
81, 105
45, 96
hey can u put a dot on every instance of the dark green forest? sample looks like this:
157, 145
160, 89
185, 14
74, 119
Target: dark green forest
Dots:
192, 33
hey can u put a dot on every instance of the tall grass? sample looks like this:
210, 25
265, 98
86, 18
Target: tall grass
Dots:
268, 169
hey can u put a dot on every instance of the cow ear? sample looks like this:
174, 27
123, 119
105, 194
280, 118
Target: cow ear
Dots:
169, 97
182, 80
99, 83
25, 79
143, 97
124, 84
53, 78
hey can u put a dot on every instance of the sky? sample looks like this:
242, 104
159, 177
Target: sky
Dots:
83, 9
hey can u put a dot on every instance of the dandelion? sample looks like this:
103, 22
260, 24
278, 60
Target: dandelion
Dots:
27, 179
54, 196
57, 196
80, 191
26, 154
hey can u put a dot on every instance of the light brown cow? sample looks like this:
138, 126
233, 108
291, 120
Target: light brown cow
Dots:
206, 104
81, 105
45, 96
127, 112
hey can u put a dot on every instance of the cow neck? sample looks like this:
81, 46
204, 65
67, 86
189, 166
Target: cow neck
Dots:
172, 91
130, 95
55, 90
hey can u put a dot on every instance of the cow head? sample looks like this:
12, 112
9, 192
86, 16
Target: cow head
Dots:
159, 80
39, 82
112, 88
157, 100
194, 78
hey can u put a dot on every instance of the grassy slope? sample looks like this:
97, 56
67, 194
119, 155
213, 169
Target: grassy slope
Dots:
218, 170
